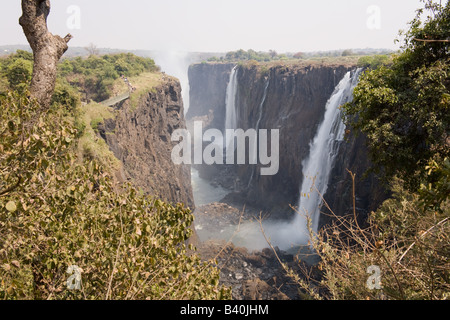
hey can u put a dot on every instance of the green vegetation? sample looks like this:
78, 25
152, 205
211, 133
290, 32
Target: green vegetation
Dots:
403, 107
91, 79
16, 71
95, 76
60, 205
242, 55
272, 56
90, 145
374, 62
367, 58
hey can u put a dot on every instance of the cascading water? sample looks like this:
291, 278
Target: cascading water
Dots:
261, 106
319, 164
231, 114
324, 149
258, 122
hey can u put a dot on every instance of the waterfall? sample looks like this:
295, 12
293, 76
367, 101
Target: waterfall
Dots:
324, 149
261, 107
266, 87
231, 114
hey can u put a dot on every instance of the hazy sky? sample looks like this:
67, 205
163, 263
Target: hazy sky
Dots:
221, 25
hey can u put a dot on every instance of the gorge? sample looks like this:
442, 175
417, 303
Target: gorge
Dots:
302, 101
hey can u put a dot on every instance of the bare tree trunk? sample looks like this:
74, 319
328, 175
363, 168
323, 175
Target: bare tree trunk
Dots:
47, 48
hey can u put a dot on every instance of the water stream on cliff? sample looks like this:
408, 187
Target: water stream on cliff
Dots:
324, 149
261, 111
231, 114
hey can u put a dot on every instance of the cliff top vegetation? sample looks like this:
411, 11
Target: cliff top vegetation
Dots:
264, 61
272, 56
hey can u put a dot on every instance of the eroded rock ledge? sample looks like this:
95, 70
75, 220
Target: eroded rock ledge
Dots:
140, 137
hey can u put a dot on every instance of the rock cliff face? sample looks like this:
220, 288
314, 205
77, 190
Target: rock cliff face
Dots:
369, 190
140, 137
209, 92
291, 98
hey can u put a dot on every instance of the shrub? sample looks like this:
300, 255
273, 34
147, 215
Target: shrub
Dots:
408, 245
374, 62
66, 96
60, 213
404, 108
94, 76
19, 73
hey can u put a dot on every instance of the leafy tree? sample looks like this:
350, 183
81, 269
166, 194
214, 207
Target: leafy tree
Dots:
66, 96
16, 71
374, 62
300, 55
404, 108
58, 210
19, 73
22, 54
347, 53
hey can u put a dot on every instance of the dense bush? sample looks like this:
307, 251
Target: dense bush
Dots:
404, 108
374, 62
242, 55
58, 211
16, 69
95, 75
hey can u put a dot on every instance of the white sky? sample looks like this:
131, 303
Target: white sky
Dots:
222, 25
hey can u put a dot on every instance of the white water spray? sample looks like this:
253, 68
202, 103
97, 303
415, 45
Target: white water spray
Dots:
324, 149
176, 63
258, 122
231, 113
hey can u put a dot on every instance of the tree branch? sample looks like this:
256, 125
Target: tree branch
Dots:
425, 40
47, 48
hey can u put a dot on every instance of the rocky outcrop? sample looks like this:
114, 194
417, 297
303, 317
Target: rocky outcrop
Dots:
140, 137
295, 102
251, 274
370, 192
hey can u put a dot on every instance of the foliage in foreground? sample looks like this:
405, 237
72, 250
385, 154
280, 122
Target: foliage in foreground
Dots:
60, 214
400, 253
403, 108
408, 244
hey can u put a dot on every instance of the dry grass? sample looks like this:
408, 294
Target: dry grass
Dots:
90, 144
408, 244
